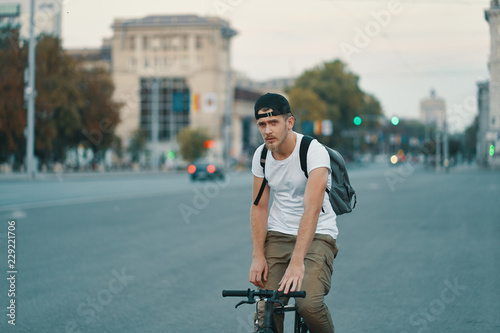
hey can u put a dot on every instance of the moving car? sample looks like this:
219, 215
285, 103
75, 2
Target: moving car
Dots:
201, 170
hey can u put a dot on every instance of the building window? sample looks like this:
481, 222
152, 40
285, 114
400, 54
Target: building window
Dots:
184, 42
199, 42
175, 43
173, 106
131, 43
145, 43
155, 43
184, 62
164, 43
133, 63
146, 62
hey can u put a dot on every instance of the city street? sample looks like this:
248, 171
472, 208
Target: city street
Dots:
152, 253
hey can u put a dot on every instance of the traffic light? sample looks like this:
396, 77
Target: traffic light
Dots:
357, 121
492, 150
209, 144
171, 155
395, 120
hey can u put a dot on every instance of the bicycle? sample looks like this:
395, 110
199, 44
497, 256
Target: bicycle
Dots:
270, 297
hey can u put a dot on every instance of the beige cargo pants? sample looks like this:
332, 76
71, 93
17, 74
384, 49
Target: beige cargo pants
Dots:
318, 263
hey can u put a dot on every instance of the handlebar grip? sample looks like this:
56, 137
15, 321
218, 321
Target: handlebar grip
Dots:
235, 293
300, 294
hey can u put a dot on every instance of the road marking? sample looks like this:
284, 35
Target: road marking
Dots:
76, 201
17, 214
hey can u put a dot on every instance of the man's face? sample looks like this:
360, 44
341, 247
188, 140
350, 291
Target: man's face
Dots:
274, 130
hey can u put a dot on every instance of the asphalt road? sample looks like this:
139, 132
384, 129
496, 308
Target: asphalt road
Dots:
151, 253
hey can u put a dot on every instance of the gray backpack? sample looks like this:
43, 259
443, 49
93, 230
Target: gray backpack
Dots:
341, 194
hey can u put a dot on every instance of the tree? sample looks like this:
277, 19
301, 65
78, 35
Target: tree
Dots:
307, 105
72, 105
192, 143
137, 145
338, 88
58, 123
99, 113
12, 113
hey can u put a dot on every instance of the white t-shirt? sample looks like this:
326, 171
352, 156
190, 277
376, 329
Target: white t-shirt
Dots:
288, 183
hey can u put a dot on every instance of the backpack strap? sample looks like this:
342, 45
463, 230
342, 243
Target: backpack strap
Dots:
263, 156
304, 148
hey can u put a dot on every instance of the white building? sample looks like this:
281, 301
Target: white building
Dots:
187, 56
433, 111
47, 16
491, 131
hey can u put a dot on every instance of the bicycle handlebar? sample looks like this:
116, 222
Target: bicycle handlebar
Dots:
261, 293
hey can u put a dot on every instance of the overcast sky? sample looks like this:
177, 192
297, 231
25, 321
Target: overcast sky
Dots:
421, 44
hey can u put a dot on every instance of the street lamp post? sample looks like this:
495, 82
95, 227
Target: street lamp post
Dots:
227, 34
155, 105
30, 94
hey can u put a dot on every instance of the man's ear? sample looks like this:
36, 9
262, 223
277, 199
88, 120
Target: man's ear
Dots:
291, 122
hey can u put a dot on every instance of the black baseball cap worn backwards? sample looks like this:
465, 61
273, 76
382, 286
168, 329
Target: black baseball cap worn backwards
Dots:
277, 103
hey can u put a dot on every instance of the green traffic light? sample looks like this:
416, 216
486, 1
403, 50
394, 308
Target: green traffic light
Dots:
492, 150
357, 121
395, 120
171, 155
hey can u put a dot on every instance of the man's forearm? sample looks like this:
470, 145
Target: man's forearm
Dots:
305, 235
313, 200
258, 221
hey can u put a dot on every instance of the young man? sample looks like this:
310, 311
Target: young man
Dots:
294, 242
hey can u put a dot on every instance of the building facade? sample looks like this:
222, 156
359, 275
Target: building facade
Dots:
433, 115
483, 106
176, 67
277, 85
490, 130
433, 111
93, 57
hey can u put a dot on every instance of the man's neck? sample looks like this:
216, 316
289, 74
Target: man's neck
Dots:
287, 148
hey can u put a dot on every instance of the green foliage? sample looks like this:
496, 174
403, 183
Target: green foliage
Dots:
58, 122
99, 113
137, 145
338, 90
12, 113
307, 105
192, 143
73, 105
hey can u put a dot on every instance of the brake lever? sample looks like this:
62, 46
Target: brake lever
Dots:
249, 301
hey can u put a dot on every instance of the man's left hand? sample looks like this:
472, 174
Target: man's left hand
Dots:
292, 280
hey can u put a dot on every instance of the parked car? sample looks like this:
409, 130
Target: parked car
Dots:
204, 170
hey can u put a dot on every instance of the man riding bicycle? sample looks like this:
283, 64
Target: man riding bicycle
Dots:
293, 242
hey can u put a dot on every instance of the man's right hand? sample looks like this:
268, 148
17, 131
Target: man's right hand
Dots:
258, 271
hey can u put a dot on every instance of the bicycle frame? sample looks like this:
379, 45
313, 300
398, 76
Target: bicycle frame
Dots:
270, 297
